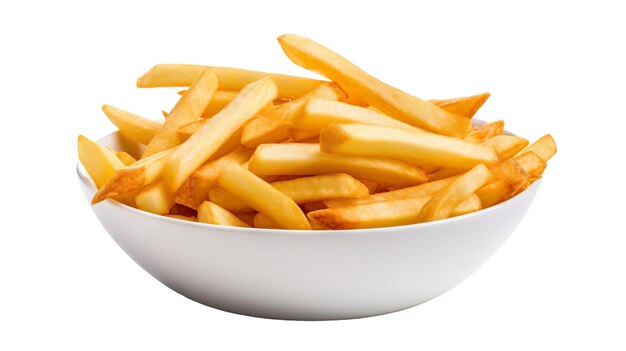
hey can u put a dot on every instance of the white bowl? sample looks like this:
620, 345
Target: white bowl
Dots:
307, 275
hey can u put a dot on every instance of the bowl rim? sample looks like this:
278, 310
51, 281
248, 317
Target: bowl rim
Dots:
86, 179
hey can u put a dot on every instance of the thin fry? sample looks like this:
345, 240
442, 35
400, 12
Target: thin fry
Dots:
188, 109
392, 101
213, 134
416, 146
307, 159
465, 106
443, 203
211, 213
177, 75
506, 146
135, 127
256, 192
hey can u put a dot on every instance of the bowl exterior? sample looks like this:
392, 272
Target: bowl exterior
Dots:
318, 275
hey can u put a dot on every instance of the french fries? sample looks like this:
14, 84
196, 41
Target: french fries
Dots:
300, 190
271, 126
251, 149
211, 213
307, 159
465, 106
208, 138
195, 190
315, 114
175, 75
135, 127
415, 146
394, 102
256, 192
134, 177
100, 162
188, 109
441, 205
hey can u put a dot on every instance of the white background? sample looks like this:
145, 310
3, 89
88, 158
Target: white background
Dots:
558, 283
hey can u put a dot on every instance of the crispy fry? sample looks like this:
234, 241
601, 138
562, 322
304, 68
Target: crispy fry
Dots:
443, 203
300, 190
316, 113
136, 128
175, 75
132, 178
213, 134
220, 99
188, 109
493, 193
263, 221
196, 188
444, 173
126, 158
313, 206
484, 132
465, 106
471, 204
544, 147
394, 102
262, 197
371, 215
100, 162
422, 190
155, 198
416, 146
306, 159
211, 213
271, 125
531, 163
505, 145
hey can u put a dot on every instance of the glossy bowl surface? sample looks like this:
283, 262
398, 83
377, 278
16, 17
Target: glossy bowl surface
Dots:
307, 275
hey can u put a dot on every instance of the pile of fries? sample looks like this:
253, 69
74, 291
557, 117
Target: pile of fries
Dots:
252, 149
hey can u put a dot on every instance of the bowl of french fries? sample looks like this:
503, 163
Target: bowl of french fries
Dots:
295, 198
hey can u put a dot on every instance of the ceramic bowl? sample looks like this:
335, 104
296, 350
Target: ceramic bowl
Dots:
307, 275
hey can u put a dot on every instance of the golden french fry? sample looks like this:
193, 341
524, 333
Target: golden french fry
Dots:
369, 184
371, 215
132, 178
493, 193
136, 128
262, 197
484, 132
211, 213
305, 136
415, 146
392, 101
444, 173
195, 189
465, 106
530, 162
471, 204
263, 221
300, 190
506, 146
126, 158
155, 198
313, 206
544, 147
271, 125
100, 162
307, 159
316, 113
443, 203
246, 217
185, 131
422, 190
220, 99
176, 75
216, 131
188, 109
